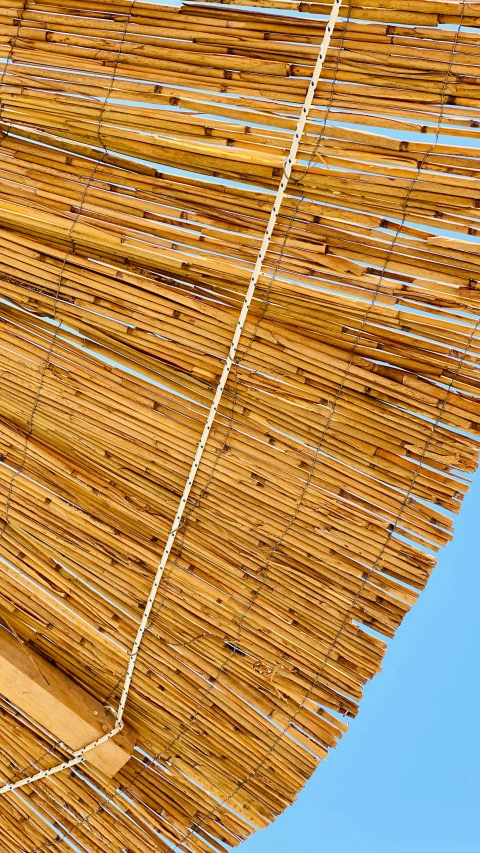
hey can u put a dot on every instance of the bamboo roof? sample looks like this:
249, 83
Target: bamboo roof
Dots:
141, 147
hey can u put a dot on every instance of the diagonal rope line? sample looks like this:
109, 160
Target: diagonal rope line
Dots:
235, 396
287, 170
240, 358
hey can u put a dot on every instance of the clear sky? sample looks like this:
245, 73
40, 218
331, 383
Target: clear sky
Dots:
406, 777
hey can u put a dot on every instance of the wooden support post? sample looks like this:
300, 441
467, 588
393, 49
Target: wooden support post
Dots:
54, 701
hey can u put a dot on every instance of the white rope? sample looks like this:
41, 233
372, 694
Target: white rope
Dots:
78, 756
287, 170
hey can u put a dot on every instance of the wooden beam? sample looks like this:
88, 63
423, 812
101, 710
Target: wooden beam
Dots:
54, 701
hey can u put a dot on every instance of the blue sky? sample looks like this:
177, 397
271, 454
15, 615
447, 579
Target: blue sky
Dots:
406, 777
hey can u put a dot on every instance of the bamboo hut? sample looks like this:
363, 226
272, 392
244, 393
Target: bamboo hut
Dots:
239, 393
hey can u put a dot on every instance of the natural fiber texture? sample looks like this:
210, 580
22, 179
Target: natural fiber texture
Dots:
141, 147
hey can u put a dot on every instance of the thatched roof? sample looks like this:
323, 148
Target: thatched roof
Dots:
141, 149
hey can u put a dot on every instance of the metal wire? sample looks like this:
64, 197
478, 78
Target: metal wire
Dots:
78, 755
13, 43
306, 486
393, 527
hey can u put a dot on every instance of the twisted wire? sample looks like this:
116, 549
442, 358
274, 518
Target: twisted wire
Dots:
54, 337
